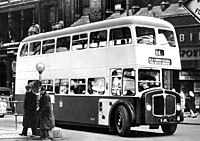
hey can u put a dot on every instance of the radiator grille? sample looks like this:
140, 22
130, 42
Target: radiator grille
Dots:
164, 105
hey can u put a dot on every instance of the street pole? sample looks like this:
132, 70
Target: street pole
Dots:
40, 67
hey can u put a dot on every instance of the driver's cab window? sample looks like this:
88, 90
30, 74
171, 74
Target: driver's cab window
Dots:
116, 81
129, 82
148, 78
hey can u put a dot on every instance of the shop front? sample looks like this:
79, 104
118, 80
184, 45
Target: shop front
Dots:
189, 76
190, 80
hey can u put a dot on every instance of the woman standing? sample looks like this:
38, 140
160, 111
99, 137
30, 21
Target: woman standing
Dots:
46, 116
191, 105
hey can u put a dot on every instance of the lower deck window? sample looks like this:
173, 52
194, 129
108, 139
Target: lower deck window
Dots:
61, 86
96, 85
77, 86
48, 84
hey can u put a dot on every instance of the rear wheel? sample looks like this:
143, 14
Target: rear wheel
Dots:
169, 129
122, 121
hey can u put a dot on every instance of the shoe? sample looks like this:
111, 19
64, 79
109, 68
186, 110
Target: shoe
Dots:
194, 116
22, 134
41, 138
50, 138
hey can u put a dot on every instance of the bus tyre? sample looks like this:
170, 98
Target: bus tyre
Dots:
169, 129
122, 121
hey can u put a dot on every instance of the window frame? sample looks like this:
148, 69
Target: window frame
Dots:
124, 40
97, 90
24, 53
67, 48
33, 48
44, 45
99, 41
80, 43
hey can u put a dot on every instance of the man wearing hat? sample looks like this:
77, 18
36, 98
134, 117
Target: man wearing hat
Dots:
46, 116
30, 113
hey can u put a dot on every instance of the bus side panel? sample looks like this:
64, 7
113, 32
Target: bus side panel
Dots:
76, 109
139, 112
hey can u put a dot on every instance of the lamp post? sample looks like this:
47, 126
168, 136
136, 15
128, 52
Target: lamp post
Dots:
40, 67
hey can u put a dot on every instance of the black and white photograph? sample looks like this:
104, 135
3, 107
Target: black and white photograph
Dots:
99, 70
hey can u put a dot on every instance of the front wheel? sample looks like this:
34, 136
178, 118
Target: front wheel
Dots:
122, 121
169, 129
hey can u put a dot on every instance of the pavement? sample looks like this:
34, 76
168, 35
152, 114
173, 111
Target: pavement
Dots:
11, 133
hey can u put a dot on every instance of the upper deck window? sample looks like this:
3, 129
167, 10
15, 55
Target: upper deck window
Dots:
48, 46
24, 50
145, 35
79, 42
63, 44
120, 36
34, 48
166, 37
98, 39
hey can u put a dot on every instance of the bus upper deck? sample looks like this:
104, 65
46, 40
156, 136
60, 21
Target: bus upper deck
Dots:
157, 37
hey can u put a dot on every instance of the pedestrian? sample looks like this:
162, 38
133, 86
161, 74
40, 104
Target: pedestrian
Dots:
191, 105
30, 112
182, 95
46, 116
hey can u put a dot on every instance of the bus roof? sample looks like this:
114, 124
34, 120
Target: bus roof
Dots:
138, 20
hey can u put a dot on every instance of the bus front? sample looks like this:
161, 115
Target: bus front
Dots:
158, 62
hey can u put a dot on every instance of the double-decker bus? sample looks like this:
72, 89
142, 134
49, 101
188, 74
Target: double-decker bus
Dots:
115, 73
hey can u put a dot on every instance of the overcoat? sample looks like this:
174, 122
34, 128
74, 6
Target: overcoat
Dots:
30, 113
46, 116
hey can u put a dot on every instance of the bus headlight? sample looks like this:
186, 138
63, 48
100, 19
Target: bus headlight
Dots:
148, 107
178, 107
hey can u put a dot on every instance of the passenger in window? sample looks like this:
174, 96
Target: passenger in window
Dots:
63, 90
90, 85
96, 86
72, 89
57, 89
116, 86
129, 86
77, 89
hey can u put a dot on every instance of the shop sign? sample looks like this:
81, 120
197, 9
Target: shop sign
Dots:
190, 53
188, 36
193, 7
188, 75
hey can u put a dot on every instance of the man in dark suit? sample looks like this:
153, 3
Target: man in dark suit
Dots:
30, 113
